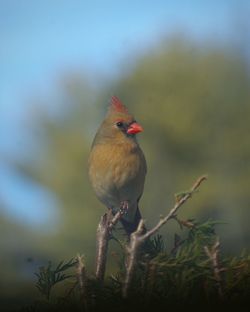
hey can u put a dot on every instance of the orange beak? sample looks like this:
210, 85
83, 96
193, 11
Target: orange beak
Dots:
134, 128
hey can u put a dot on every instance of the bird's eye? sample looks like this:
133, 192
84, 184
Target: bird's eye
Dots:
119, 124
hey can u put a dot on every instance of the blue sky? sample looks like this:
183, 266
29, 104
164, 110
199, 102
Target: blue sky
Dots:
42, 39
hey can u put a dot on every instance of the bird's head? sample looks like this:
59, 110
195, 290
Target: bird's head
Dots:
118, 125
120, 119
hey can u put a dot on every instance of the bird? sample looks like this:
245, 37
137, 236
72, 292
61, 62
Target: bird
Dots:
117, 165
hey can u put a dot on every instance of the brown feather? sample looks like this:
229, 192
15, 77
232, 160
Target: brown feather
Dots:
117, 166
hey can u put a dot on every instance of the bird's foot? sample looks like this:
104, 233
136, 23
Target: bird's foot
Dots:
124, 207
123, 210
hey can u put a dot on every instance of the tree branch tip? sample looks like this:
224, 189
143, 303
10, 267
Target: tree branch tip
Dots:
80, 258
140, 227
203, 178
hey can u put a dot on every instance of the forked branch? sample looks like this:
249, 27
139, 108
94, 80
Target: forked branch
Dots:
139, 236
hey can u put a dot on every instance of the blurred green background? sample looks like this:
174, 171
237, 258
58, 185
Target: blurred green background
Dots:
188, 87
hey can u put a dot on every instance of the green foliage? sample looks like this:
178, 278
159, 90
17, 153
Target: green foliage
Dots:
47, 277
184, 275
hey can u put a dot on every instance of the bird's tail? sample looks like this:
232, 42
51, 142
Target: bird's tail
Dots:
131, 227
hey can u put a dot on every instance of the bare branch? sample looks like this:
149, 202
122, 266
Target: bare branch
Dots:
174, 210
82, 280
213, 255
132, 250
103, 235
102, 238
139, 236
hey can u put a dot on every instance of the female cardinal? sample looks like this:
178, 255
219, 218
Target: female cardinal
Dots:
117, 166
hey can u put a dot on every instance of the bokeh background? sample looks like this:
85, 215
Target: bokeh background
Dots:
183, 70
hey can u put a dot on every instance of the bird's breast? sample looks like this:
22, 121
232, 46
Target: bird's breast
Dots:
117, 172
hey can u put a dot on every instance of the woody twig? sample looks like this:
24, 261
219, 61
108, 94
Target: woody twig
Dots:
103, 236
213, 255
139, 236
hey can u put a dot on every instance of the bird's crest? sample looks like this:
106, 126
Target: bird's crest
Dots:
117, 106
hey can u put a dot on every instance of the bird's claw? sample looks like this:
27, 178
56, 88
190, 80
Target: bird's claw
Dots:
123, 210
124, 207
